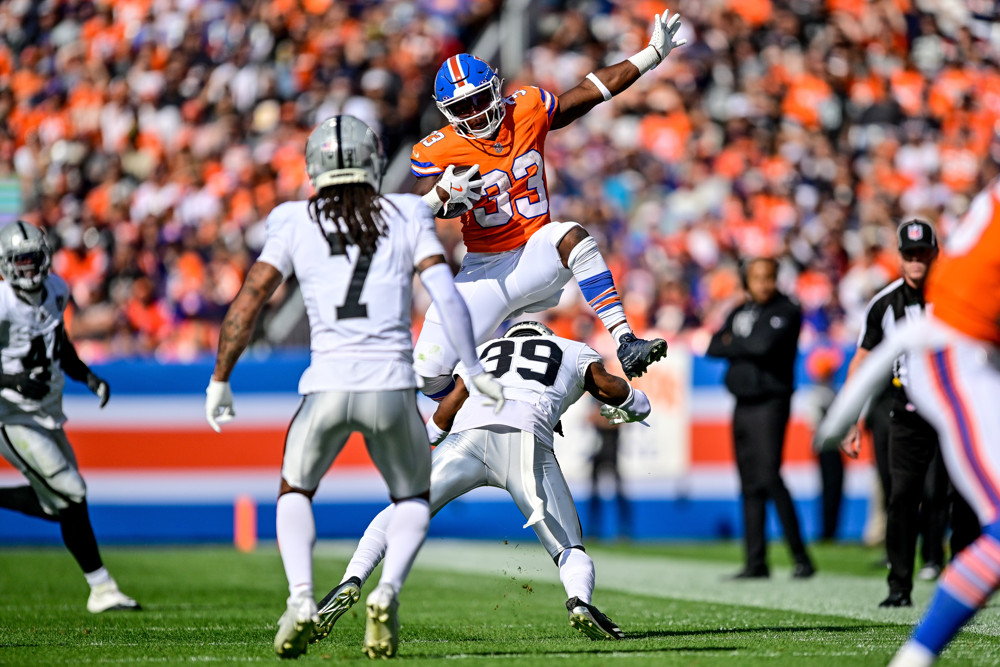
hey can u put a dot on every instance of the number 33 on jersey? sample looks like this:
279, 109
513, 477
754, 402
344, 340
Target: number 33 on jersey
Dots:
515, 202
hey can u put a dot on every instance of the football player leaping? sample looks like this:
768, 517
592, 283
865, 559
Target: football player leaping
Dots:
354, 252
518, 259
542, 376
35, 357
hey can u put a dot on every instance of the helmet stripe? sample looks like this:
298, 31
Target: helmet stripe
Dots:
458, 76
340, 144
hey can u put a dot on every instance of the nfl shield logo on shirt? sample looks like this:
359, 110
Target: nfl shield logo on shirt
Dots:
915, 232
498, 147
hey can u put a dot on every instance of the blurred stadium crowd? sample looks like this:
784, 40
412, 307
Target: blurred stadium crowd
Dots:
153, 137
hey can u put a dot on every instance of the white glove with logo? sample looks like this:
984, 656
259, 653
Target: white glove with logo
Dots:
218, 404
661, 42
464, 188
491, 390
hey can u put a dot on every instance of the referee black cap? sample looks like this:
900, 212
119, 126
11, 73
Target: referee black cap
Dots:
916, 234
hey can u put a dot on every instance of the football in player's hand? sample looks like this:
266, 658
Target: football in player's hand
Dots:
464, 190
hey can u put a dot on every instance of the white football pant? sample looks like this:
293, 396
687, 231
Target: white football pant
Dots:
517, 462
390, 423
46, 459
496, 286
956, 389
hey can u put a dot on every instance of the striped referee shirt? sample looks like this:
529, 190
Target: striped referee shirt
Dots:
896, 301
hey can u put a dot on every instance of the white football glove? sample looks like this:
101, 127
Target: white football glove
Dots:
635, 408
218, 404
614, 414
491, 390
463, 189
661, 42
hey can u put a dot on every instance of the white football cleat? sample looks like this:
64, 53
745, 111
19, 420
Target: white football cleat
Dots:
107, 597
295, 627
589, 620
334, 605
382, 627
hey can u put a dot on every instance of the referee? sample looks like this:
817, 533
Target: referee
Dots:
760, 340
913, 443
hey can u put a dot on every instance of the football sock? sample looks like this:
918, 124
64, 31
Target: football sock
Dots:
78, 536
296, 530
405, 534
371, 548
966, 584
576, 572
98, 576
23, 499
598, 286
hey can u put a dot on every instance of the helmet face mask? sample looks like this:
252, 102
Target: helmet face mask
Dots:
344, 149
467, 92
25, 257
528, 328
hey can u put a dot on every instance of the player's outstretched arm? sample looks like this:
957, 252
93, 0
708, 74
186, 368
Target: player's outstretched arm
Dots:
237, 327
74, 367
851, 444
622, 402
605, 83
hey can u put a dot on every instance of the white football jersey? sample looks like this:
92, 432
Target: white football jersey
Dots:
358, 307
29, 342
541, 375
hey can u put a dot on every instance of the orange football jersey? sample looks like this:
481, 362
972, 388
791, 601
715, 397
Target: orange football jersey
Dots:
515, 201
964, 283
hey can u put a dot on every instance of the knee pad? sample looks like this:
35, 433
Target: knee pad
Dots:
436, 388
558, 230
66, 488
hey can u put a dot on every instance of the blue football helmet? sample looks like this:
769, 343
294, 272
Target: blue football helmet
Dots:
467, 92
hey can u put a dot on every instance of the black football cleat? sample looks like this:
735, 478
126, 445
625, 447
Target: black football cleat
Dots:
589, 620
636, 354
751, 573
803, 570
897, 599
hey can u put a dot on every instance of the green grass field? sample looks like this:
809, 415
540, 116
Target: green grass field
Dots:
474, 603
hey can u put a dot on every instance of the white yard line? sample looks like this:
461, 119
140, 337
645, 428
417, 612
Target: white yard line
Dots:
826, 594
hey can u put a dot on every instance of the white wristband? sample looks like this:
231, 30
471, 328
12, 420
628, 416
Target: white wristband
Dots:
600, 86
646, 59
435, 434
433, 200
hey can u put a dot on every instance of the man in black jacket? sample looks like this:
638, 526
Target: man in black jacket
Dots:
760, 339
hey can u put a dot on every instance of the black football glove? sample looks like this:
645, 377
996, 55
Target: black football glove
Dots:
32, 388
99, 387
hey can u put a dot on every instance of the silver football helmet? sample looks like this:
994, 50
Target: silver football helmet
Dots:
343, 149
25, 256
528, 328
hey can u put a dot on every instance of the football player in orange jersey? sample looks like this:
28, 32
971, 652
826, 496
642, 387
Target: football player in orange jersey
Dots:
518, 260
954, 379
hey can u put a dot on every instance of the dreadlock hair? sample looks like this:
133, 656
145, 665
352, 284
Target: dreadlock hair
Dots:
355, 211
